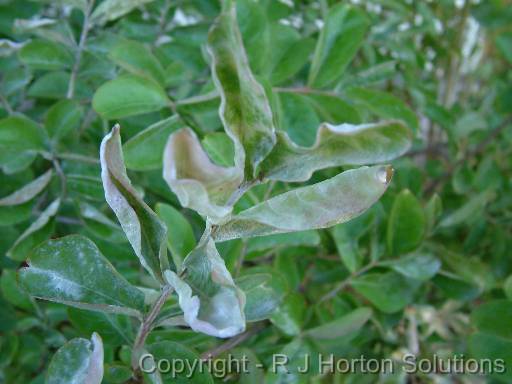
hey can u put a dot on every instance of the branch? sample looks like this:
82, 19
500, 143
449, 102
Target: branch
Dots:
80, 48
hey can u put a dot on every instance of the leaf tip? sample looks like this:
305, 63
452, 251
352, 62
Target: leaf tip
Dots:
385, 174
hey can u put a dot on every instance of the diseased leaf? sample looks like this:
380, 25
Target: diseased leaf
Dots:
145, 150
45, 54
129, 95
144, 230
29, 191
384, 105
245, 111
71, 270
113, 9
340, 38
79, 361
198, 182
320, 205
36, 233
343, 144
210, 300
406, 224
180, 237
345, 325
138, 59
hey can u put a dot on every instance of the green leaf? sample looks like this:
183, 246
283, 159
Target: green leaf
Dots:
180, 237
384, 105
110, 10
129, 95
264, 293
36, 233
13, 293
494, 318
144, 151
489, 347
219, 148
45, 54
389, 292
419, 266
406, 224
198, 182
343, 326
290, 315
334, 146
320, 205
210, 300
144, 230
281, 240
469, 210
71, 270
20, 134
339, 40
333, 109
28, 191
504, 44
507, 287
137, 59
100, 225
164, 349
63, 118
245, 111
79, 361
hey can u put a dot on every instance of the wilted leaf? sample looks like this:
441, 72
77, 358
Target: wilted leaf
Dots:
144, 230
198, 182
129, 95
71, 270
210, 300
334, 146
29, 191
339, 40
320, 205
145, 150
245, 111
79, 361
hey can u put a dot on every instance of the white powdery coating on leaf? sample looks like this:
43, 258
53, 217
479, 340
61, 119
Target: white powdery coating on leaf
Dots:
95, 368
58, 283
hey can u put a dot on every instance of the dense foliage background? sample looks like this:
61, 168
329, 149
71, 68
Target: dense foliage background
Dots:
426, 270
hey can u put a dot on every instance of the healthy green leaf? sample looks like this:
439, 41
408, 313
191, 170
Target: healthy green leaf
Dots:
129, 95
137, 59
110, 10
144, 151
245, 111
63, 118
198, 182
29, 191
180, 237
210, 300
290, 315
219, 148
144, 230
345, 325
468, 210
494, 317
20, 134
71, 270
79, 361
45, 54
507, 287
320, 205
419, 266
334, 146
406, 225
339, 40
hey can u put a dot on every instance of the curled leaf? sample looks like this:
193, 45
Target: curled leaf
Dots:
320, 205
144, 230
245, 110
79, 361
336, 145
195, 179
210, 300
